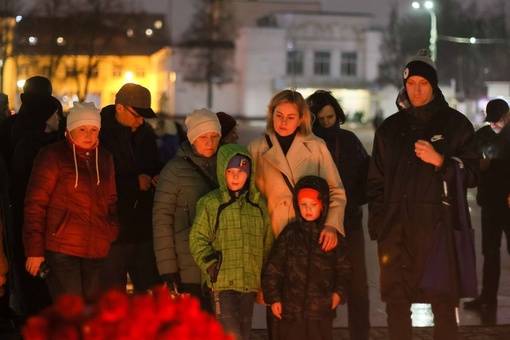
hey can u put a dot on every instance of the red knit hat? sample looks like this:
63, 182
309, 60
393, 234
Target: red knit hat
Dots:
310, 193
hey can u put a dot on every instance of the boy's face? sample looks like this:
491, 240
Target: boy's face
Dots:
235, 178
309, 209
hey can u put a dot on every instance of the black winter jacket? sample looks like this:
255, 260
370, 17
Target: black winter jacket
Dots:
134, 153
405, 193
298, 273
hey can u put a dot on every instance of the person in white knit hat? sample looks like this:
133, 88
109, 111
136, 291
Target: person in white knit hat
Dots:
70, 208
187, 177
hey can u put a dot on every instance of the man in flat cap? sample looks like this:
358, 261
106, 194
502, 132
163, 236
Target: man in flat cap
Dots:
135, 153
493, 145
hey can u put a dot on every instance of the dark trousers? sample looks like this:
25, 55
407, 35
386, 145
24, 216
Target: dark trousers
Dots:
73, 275
358, 304
305, 329
234, 311
136, 259
495, 222
400, 323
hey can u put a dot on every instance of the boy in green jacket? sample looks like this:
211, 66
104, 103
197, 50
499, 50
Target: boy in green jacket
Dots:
230, 239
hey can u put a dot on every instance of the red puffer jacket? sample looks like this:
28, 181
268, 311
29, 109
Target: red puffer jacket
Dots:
68, 209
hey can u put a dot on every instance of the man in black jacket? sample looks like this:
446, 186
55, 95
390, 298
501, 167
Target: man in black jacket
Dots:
491, 197
135, 153
415, 155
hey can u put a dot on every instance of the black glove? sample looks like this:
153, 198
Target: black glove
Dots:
171, 279
213, 271
214, 268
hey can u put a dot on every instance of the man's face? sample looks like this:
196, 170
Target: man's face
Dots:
497, 126
127, 116
419, 90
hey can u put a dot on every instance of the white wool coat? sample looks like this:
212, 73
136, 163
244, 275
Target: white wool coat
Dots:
308, 155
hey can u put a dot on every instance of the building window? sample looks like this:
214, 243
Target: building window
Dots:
45, 71
71, 71
349, 64
321, 63
117, 71
23, 70
140, 72
294, 62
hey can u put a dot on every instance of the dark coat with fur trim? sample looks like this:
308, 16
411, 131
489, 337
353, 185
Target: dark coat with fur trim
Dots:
405, 193
301, 275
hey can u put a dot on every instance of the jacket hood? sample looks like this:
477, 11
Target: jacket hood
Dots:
225, 154
319, 184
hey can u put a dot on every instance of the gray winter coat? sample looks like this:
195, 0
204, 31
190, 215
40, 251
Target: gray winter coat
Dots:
182, 182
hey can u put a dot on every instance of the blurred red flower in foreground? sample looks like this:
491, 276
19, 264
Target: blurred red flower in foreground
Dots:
116, 315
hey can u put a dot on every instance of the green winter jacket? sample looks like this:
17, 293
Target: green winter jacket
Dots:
238, 227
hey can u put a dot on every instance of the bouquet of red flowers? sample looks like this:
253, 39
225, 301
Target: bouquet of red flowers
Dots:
117, 315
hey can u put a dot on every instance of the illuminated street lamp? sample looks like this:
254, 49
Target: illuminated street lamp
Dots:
429, 6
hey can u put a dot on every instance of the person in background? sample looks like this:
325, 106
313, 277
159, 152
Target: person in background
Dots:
4, 220
228, 128
4, 106
493, 145
36, 127
415, 153
132, 143
70, 208
287, 152
169, 134
184, 180
230, 239
352, 162
301, 282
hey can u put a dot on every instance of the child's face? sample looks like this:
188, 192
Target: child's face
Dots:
309, 209
235, 178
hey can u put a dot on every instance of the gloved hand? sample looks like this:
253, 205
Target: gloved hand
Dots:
213, 271
171, 279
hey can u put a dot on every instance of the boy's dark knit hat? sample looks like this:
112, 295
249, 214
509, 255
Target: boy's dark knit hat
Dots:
495, 110
240, 162
313, 194
421, 65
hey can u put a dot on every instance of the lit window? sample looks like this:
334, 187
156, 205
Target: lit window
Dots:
117, 71
349, 64
140, 72
32, 41
321, 63
71, 71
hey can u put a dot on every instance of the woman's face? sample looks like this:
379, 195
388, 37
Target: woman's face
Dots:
286, 119
327, 116
207, 144
85, 136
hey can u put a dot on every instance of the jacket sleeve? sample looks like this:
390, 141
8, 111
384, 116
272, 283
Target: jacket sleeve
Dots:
338, 199
465, 150
375, 187
269, 235
165, 201
273, 272
41, 185
112, 199
359, 196
342, 270
202, 235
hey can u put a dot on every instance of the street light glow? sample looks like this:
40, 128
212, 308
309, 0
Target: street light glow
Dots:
429, 4
416, 5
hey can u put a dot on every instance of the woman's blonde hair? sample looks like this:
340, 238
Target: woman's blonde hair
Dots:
293, 97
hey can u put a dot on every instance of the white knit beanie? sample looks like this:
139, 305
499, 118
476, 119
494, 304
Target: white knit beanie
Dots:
84, 113
201, 121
